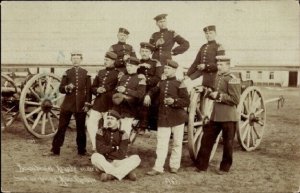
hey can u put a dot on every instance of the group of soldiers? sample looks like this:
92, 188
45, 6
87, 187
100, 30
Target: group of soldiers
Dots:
147, 89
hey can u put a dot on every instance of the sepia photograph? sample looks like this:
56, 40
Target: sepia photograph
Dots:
150, 96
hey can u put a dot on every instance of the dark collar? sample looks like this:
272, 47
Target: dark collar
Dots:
211, 42
164, 30
171, 78
121, 43
142, 60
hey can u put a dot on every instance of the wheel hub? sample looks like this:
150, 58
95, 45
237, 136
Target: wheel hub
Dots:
46, 105
252, 119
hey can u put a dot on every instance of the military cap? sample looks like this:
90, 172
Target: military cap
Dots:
111, 55
147, 46
114, 114
123, 30
223, 58
76, 53
160, 17
209, 28
133, 60
172, 63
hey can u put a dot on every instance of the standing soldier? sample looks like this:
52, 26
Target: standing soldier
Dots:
164, 41
224, 117
76, 84
173, 98
129, 92
152, 70
123, 50
206, 63
103, 88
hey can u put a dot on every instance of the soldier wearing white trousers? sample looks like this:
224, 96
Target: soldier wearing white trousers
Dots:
116, 168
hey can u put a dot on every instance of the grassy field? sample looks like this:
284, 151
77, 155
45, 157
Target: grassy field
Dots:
272, 168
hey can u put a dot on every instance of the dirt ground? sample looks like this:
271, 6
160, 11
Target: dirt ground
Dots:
272, 168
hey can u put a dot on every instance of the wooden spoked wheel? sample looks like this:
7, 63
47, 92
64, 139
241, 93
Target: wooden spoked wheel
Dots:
9, 101
199, 113
40, 105
252, 122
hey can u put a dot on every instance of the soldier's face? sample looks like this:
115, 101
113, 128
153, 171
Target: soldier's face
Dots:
131, 68
76, 60
162, 24
122, 37
112, 122
223, 67
169, 71
145, 53
109, 62
210, 35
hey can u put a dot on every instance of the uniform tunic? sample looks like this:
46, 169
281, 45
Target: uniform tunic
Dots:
164, 41
122, 49
206, 55
171, 115
113, 144
134, 91
74, 100
107, 78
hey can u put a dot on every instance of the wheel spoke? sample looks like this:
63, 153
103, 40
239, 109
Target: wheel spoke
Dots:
260, 123
32, 103
246, 107
258, 112
51, 122
256, 132
37, 120
244, 124
42, 87
197, 134
48, 85
57, 98
55, 89
43, 124
244, 116
198, 123
33, 112
248, 137
35, 94
55, 115
245, 133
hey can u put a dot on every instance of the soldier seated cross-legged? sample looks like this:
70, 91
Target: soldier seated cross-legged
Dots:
112, 144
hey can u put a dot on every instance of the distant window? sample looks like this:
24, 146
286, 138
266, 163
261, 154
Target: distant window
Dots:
248, 75
259, 75
271, 76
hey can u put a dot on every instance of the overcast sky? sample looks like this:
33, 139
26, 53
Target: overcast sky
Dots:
258, 32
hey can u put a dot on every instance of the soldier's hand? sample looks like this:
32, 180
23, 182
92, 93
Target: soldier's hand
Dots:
126, 56
213, 94
163, 77
145, 65
169, 101
121, 89
147, 101
142, 76
101, 90
69, 87
120, 74
200, 66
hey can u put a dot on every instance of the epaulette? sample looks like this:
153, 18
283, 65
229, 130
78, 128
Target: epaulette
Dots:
234, 81
65, 73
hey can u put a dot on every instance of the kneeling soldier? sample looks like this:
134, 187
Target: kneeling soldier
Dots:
103, 88
112, 145
173, 98
224, 117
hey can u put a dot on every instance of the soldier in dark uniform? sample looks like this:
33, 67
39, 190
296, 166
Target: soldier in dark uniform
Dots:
76, 84
129, 92
205, 63
122, 49
224, 117
173, 98
164, 41
103, 88
111, 157
152, 70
